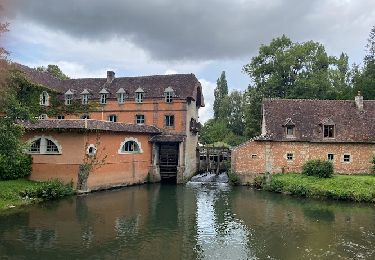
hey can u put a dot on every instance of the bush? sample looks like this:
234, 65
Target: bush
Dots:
318, 168
51, 190
233, 178
12, 168
373, 164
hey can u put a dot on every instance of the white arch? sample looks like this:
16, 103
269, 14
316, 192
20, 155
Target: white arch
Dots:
43, 144
120, 151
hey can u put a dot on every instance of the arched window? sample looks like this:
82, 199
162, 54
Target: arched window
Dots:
44, 145
130, 145
44, 99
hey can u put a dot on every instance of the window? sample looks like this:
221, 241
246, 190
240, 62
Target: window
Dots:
290, 131
43, 116
289, 156
91, 150
85, 116
253, 156
103, 98
346, 158
140, 119
112, 118
139, 97
60, 117
168, 97
85, 99
44, 99
329, 131
51, 147
35, 146
330, 157
121, 98
130, 146
169, 120
44, 145
68, 99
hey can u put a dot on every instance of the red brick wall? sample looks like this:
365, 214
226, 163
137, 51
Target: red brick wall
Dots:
272, 156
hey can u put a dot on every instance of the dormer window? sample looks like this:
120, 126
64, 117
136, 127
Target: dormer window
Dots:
85, 97
68, 97
328, 131
103, 96
289, 131
44, 99
121, 96
289, 128
139, 95
168, 94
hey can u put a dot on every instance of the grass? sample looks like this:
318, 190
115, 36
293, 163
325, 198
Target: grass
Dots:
10, 192
359, 188
19, 192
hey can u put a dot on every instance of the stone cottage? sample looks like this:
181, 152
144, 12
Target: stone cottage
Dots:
297, 130
142, 128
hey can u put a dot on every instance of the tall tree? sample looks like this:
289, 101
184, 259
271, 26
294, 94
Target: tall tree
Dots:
221, 98
364, 79
236, 116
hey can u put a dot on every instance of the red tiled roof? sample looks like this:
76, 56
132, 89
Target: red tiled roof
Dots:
308, 116
167, 138
88, 124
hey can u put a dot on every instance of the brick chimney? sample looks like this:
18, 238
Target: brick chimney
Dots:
359, 101
110, 76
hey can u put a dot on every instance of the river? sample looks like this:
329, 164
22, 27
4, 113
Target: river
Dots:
189, 222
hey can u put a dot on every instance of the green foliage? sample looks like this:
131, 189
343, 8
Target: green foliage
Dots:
50, 190
221, 94
53, 70
234, 179
218, 131
318, 168
259, 181
373, 163
339, 187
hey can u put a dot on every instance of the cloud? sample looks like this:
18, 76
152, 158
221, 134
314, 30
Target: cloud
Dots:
202, 30
206, 112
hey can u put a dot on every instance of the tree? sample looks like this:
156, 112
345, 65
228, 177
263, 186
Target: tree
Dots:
220, 107
14, 163
284, 69
53, 70
236, 116
364, 79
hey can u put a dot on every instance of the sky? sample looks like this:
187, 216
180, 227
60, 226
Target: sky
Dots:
85, 38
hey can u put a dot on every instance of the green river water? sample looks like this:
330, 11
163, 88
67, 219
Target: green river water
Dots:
189, 222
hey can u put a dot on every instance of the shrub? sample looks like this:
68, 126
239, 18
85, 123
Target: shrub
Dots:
50, 190
318, 168
373, 164
259, 181
234, 179
12, 168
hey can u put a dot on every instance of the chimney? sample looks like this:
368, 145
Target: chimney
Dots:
359, 101
110, 76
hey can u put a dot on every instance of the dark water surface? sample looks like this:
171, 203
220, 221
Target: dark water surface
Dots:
189, 222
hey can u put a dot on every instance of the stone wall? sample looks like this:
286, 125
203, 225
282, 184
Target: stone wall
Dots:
257, 157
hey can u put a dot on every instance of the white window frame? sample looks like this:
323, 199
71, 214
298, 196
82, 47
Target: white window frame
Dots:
93, 147
168, 96
43, 148
139, 97
68, 99
44, 99
60, 117
113, 116
133, 139
103, 99
350, 158
287, 156
167, 122
292, 129
142, 120
121, 98
85, 99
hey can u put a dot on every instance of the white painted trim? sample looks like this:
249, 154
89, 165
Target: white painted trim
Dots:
43, 145
127, 139
88, 149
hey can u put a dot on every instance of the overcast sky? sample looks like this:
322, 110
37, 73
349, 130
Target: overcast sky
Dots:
87, 37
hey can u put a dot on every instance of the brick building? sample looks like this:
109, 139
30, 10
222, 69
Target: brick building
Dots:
142, 128
294, 131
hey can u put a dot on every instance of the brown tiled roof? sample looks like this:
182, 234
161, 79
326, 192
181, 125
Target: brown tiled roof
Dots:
88, 124
184, 85
308, 116
167, 138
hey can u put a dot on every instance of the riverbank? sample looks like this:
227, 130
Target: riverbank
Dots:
339, 187
14, 193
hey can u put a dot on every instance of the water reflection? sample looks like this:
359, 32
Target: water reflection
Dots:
192, 222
